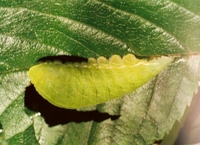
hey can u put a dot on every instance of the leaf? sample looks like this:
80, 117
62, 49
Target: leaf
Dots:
30, 30
16, 125
89, 28
67, 134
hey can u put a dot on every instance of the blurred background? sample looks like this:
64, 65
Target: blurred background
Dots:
187, 130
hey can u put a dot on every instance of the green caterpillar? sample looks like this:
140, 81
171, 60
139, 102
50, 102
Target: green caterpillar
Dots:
76, 85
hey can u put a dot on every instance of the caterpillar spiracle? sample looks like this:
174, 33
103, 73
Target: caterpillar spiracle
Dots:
76, 85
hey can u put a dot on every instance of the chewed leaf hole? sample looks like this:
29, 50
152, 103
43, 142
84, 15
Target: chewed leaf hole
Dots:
63, 59
54, 115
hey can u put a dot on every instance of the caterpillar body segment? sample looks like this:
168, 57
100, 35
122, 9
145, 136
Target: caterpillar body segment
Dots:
76, 85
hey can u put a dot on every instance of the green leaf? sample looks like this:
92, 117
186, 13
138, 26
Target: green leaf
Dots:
17, 127
30, 30
67, 134
91, 28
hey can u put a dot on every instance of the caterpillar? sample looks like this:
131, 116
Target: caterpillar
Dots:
76, 85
